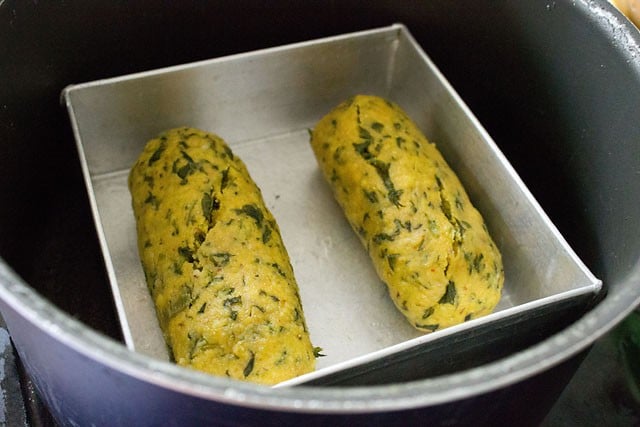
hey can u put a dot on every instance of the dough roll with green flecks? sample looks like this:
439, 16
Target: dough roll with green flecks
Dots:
427, 242
214, 261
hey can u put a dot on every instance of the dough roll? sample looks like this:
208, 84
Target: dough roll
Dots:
214, 261
426, 240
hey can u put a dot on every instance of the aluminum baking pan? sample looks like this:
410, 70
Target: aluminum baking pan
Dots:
263, 104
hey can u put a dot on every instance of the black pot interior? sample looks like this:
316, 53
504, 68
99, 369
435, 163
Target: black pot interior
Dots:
550, 86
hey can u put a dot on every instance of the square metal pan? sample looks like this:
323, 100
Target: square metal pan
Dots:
263, 103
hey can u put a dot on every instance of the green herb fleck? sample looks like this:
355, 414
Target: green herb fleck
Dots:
428, 312
276, 266
177, 268
184, 167
149, 180
458, 202
177, 304
186, 253
273, 297
152, 200
176, 229
477, 264
364, 134
209, 204
446, 208
381, 237
449, 296
337, 155
317, 352
199, 236
227, 150
259, 308
377, 126
232, 301
158, 153
391, 259
197, 342
334, 175
249, 366
225, 179
282, 358
252, 211
429, 328
362, 149
266, 235
383, 171
202, 308
220, 259
371, 195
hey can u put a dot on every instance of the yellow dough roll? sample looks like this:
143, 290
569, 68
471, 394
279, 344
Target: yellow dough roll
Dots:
215, 263
427, 242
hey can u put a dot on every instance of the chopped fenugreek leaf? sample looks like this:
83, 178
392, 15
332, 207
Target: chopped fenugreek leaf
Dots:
449, 296
249, 366
317, 352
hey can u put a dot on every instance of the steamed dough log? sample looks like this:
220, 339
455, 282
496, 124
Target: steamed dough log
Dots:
214, 261
427, 242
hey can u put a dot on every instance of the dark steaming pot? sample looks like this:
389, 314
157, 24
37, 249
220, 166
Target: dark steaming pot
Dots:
557, 85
